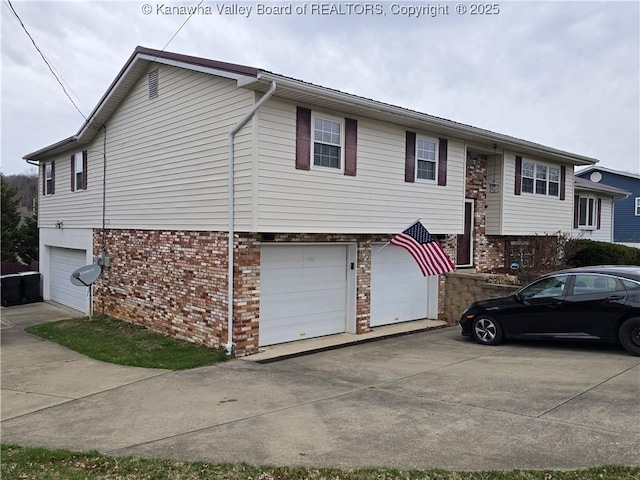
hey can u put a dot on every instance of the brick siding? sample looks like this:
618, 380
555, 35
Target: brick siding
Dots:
175, 282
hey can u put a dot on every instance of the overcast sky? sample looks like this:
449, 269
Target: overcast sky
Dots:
563, 73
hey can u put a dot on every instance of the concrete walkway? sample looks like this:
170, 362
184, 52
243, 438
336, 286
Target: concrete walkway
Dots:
429, 399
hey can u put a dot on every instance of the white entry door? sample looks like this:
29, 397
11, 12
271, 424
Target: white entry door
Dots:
303, 292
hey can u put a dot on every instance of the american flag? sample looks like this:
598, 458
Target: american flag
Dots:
430, 256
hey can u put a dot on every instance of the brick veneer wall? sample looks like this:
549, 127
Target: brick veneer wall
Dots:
175, 282
488, 251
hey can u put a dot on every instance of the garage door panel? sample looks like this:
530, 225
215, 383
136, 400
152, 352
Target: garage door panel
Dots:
276, 281
399, 291
302, 292
63, 262
324, 302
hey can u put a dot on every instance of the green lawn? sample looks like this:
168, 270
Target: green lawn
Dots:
115, 341
29, 463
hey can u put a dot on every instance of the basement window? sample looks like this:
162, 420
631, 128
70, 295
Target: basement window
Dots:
153, 84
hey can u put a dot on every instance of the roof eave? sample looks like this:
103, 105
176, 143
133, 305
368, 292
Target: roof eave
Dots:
410, 118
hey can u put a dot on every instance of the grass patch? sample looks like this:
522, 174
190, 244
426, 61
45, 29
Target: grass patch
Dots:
123, 343
28, 462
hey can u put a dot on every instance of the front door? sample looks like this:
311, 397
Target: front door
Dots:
464, 256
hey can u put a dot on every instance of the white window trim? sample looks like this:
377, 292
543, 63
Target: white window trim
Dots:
48, 176
78, 168
637, 206
437, 152
594, 213
331, 118
536, 179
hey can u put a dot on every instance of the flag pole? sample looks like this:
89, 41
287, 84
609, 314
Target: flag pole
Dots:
405, 228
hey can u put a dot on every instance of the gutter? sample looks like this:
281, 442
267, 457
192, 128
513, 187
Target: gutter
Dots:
232, 133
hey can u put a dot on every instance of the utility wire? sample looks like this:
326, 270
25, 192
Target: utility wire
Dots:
183, 24
45, 58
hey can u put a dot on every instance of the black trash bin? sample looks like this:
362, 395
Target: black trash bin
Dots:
11, 289
31, 287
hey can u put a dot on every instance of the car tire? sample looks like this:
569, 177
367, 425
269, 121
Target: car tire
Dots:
629, 335
486, 330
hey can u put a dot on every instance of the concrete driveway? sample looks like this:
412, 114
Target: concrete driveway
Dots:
430, 399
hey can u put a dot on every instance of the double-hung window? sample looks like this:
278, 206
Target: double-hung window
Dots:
48, 178
586, 212
78, 179
426, 155
327, 142
637, 206
540, 179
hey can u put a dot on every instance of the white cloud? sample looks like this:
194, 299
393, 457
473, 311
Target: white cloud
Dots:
565, 74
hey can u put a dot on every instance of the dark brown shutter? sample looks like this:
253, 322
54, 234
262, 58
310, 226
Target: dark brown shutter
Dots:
563, 179
350, 146
518, 185
442, 161
73, 173
44, 178
53, 177
410, 158
599, 214
85, 162
303, 138
576, 210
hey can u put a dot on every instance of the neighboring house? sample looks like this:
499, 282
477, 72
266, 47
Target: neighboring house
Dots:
183, 152
593, 209
626, 221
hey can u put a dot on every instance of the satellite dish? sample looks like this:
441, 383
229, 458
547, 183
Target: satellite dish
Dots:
85, 276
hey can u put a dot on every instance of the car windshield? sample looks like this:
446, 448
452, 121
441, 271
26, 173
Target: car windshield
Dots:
546, 287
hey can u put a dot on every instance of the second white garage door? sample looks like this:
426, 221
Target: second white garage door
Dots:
63, 262
399, 291
303, 292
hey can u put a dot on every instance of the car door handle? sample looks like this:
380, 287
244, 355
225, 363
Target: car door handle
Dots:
555, 304
614, 297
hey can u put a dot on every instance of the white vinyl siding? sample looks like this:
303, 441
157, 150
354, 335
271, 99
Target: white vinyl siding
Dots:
166, 159
531, 214
376, 200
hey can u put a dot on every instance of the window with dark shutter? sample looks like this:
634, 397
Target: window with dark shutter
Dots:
576, 211
563, 179
410, 157
518, 184
303, 138
85, 162
350, 146
73, 172
598, 213
442, 161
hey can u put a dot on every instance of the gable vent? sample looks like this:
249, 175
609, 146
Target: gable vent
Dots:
153, 84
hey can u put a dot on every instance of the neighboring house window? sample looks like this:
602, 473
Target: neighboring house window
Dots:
327, 143
540, 179
638, 206
79, 171
426, 155
587, 214
49, 178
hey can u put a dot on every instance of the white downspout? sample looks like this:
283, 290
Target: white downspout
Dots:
232, 133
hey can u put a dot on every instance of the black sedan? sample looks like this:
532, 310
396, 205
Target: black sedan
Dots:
587, 303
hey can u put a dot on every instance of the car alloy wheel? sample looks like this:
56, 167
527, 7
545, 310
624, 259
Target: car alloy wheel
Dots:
487, 331
630, 335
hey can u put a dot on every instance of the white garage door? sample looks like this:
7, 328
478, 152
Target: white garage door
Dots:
63, 262
399, 292
303, 292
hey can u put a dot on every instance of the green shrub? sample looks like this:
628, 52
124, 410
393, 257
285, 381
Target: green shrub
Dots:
583, 253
